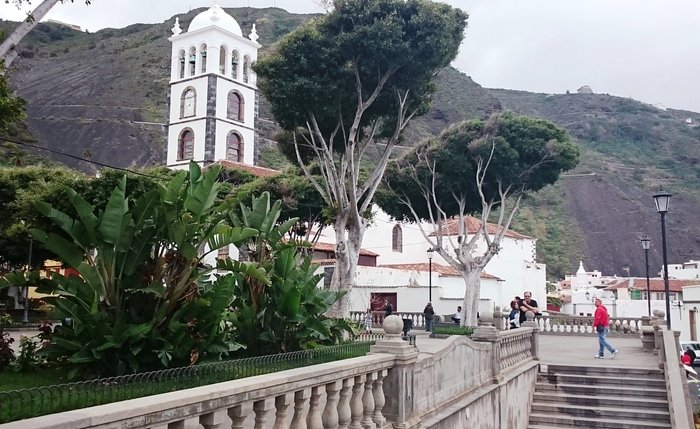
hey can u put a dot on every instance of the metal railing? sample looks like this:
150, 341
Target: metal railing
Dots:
26, 403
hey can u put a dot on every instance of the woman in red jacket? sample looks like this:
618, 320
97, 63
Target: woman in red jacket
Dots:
601, 321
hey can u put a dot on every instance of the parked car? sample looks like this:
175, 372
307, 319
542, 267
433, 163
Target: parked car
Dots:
695, 346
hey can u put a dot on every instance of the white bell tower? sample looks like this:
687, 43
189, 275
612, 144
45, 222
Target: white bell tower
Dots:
212, 91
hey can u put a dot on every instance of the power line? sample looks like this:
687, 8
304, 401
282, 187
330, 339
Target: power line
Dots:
21, 143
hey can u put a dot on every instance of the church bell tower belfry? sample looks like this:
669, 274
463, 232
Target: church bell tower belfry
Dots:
212, 91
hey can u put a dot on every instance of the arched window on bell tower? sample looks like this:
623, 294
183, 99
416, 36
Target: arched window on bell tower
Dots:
397, 239
188, 102
192, 61
222, 60
203, 57
235, 106
234, 147
246, 69
185, 147
181, 64
234, 64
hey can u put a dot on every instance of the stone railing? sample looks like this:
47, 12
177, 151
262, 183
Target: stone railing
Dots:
561, 324
456, 382
342, 394
515, 346
418, 319
680, 405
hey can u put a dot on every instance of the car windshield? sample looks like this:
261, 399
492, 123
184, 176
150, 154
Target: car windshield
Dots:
694, 346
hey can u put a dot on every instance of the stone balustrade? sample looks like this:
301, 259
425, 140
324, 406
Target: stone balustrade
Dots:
418, 319
345, 394
561, 324
515, 346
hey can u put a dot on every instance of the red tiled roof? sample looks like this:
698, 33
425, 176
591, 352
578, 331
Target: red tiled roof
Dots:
444, 270
655, 285
252, 169
328, 247
472, 225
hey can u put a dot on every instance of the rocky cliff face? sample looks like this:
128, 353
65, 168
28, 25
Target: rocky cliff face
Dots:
104, 96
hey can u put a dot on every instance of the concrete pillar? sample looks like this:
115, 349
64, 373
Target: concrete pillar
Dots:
487, 333
398, 384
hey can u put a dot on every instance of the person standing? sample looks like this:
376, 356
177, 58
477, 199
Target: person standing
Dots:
429, 314
601, 323
514, 316
528, 304
368, 321
388, 309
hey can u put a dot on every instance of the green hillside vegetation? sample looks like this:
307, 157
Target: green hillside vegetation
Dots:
107, 93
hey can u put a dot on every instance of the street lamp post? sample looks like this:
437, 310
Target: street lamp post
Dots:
661, 199
430, 274
646, 245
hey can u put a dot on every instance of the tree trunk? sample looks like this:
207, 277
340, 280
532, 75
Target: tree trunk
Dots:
348, 238
472, 282
7, 48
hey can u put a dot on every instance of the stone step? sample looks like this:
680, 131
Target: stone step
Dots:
600, 400
605, 390
603, 411
542, 421
609, 380
601, 370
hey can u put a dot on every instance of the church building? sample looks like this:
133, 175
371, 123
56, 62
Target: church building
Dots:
213, 92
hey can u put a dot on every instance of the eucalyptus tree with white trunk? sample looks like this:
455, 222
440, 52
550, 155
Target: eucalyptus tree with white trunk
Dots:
346, 81
482, 167
8, 51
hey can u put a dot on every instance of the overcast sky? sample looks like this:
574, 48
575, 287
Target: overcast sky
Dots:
645, 49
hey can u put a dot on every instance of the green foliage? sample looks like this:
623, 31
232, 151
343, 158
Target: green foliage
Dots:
278, 305
314, 71
11, 106
452, 330
27, 360
524, 154
143, 299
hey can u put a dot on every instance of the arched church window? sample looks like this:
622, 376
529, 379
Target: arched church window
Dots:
397, 239
188, 102
234, 147
185, 147
192, 60
181, 64
222, 60
234, 64
246, 69
235, 106
203, 57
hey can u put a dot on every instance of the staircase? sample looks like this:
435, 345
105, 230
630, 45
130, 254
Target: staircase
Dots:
600, 397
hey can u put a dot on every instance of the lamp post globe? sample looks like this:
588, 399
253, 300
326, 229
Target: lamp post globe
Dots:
662, 200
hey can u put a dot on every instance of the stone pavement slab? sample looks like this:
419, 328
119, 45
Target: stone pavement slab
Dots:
579, 350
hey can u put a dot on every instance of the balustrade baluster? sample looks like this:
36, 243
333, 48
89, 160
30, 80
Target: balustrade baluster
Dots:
214, 420
379, 399
313, 419
344, 410
299, 418
261, 409
281, 405
237, 417
368, 403
356, 403
330, 412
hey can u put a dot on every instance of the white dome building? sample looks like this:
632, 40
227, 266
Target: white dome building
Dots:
212, 91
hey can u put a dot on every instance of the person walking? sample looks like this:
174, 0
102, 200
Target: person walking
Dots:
601, 323
429, 314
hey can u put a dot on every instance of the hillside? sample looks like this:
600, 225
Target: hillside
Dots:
105, 95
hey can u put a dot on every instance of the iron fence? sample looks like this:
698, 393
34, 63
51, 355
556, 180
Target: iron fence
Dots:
26, 403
